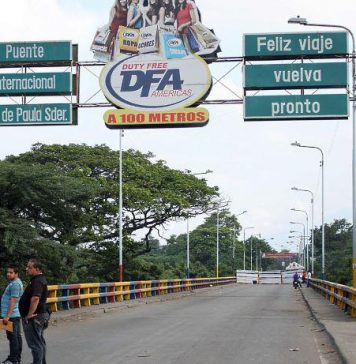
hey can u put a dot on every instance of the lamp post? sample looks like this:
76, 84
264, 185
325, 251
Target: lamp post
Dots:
296, 144
251, 264
248, 227
307, 236
300, 236
312, 224
217, 243
300, 223
234, 240
121, 269
303, 21
188, 238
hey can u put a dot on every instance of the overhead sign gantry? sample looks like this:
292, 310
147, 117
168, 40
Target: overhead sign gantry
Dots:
300, 75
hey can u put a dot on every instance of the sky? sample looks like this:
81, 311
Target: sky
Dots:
253, 163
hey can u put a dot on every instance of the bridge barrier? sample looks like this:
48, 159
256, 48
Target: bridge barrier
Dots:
68, 296
268, 277
341, 296
247, 276
271, 277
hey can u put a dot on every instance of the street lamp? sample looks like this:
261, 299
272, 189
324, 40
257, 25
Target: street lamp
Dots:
121, 269
307, 245
300, 236
217, 243
234, 240
312, 224
296, 144
303, 21
248, 227
300, 223
188, 238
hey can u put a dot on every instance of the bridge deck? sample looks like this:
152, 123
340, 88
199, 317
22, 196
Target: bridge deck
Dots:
230, 324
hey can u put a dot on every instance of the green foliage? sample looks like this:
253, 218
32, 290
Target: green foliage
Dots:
338, 252
59, 203
203, 247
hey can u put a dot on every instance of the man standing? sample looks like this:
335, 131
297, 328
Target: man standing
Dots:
10, 313
34, 312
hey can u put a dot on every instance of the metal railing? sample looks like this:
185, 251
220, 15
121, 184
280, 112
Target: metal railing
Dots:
342, 296
68, 296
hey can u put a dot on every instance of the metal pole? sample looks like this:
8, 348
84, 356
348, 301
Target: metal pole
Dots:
234, 242
188, 242
256, 259
322, 219
121, 270
251, 251
188, 274
306, 246
304, 22
233, 251
304, 255
217, 244
353, 162
312, 232
244, 252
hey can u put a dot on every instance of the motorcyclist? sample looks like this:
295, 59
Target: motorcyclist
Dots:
296, 281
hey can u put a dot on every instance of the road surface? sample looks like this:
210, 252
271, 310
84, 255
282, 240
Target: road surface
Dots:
267, 324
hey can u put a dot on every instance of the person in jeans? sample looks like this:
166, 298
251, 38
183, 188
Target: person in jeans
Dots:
10, 313
34, 312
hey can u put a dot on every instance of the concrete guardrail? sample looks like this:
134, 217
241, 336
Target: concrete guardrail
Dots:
68, 296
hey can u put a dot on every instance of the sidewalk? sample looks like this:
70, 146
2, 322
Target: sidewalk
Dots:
341, 327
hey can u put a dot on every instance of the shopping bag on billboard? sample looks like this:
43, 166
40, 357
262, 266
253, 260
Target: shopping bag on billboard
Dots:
172, 46
205, 36
192, 41
128, 39
103, 40
149, 39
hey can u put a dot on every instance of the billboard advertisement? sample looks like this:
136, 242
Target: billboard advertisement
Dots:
154, 52
172, 28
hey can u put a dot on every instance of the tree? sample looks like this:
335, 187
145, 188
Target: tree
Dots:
153, 194
60, 203
203, 244
338, 251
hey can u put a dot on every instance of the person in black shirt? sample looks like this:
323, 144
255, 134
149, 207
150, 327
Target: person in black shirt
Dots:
34, 312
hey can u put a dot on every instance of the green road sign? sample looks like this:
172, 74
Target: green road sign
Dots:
55, 83
296, 107
32, 52
292, 45
36, 114
283, 76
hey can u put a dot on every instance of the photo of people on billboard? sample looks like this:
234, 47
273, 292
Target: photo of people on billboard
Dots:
171, 28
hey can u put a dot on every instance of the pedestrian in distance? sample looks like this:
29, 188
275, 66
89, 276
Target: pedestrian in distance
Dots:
10, 313
304, 277
34, 312
309, 276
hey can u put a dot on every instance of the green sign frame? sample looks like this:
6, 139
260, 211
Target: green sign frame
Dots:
35, 52
293, 76
296, 107
38, 114
49, 83
295, 45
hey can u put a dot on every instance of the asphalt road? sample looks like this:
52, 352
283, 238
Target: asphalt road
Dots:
267, 324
